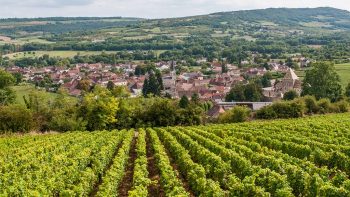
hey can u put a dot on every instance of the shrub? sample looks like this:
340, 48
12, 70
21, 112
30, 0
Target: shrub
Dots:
324, 105
15, 118
310, 104
266, 112
290, 95
293, 109
340, 107
236, 114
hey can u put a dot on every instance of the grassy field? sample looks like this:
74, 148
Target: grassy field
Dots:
344, 73
64, 54
342, 69
25, 90
25, 40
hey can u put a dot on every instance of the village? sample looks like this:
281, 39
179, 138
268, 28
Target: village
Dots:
213, 87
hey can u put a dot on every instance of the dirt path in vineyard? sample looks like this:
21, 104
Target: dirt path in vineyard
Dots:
154, 189
126, 183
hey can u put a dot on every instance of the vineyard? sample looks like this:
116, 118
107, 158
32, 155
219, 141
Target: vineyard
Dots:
299, 157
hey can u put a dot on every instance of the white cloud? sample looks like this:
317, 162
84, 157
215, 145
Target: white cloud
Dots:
146, 8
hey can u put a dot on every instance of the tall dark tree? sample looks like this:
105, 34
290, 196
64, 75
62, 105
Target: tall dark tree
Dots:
195, 98
322, 81
152, 85
145, 88
160, 80
184, 102
224, 68
110, 85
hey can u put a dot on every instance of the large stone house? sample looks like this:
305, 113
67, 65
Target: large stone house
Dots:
289, 82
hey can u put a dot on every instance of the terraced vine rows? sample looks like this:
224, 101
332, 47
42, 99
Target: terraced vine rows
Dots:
302, 157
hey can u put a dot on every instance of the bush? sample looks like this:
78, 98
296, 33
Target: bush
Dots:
236, 114
290, 95
15, 118
340, 107
310, 104
293, 109
324, 106
266, 112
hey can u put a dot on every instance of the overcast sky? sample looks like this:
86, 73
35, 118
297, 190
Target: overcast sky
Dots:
146, 8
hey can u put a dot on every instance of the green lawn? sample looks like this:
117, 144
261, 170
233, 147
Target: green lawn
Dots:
344, 73
25, 90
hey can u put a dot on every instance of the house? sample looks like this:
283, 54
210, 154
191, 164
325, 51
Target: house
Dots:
290, 82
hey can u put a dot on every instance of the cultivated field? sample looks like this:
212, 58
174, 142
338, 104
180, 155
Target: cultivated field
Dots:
300, 157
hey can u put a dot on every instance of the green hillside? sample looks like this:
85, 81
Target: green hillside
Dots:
320, 33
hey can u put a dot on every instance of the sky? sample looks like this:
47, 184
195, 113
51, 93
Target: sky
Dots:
147, 8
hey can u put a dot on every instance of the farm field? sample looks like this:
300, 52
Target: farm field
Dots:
63, 54
24, 40
300, 157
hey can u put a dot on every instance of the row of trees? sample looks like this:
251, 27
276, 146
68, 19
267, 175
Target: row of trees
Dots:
99, 108
296, 108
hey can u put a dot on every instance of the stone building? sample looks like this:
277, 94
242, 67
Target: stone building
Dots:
289, 82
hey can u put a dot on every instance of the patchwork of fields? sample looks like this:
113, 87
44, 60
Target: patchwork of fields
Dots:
299, 157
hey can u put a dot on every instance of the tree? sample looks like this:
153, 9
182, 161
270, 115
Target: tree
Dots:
224, 68
18, 77
266, 66
15, 118
192, 115
253, 92
98, 109
250, 92
236, 114
121, 92
110, 85
236, 94
322, 81
145, 88
347, 90
7, 95
84, 85
184, 102
6, 79
265, 80
139, 70
195, 98
65, 114
153, 85
290, 95
160, 80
